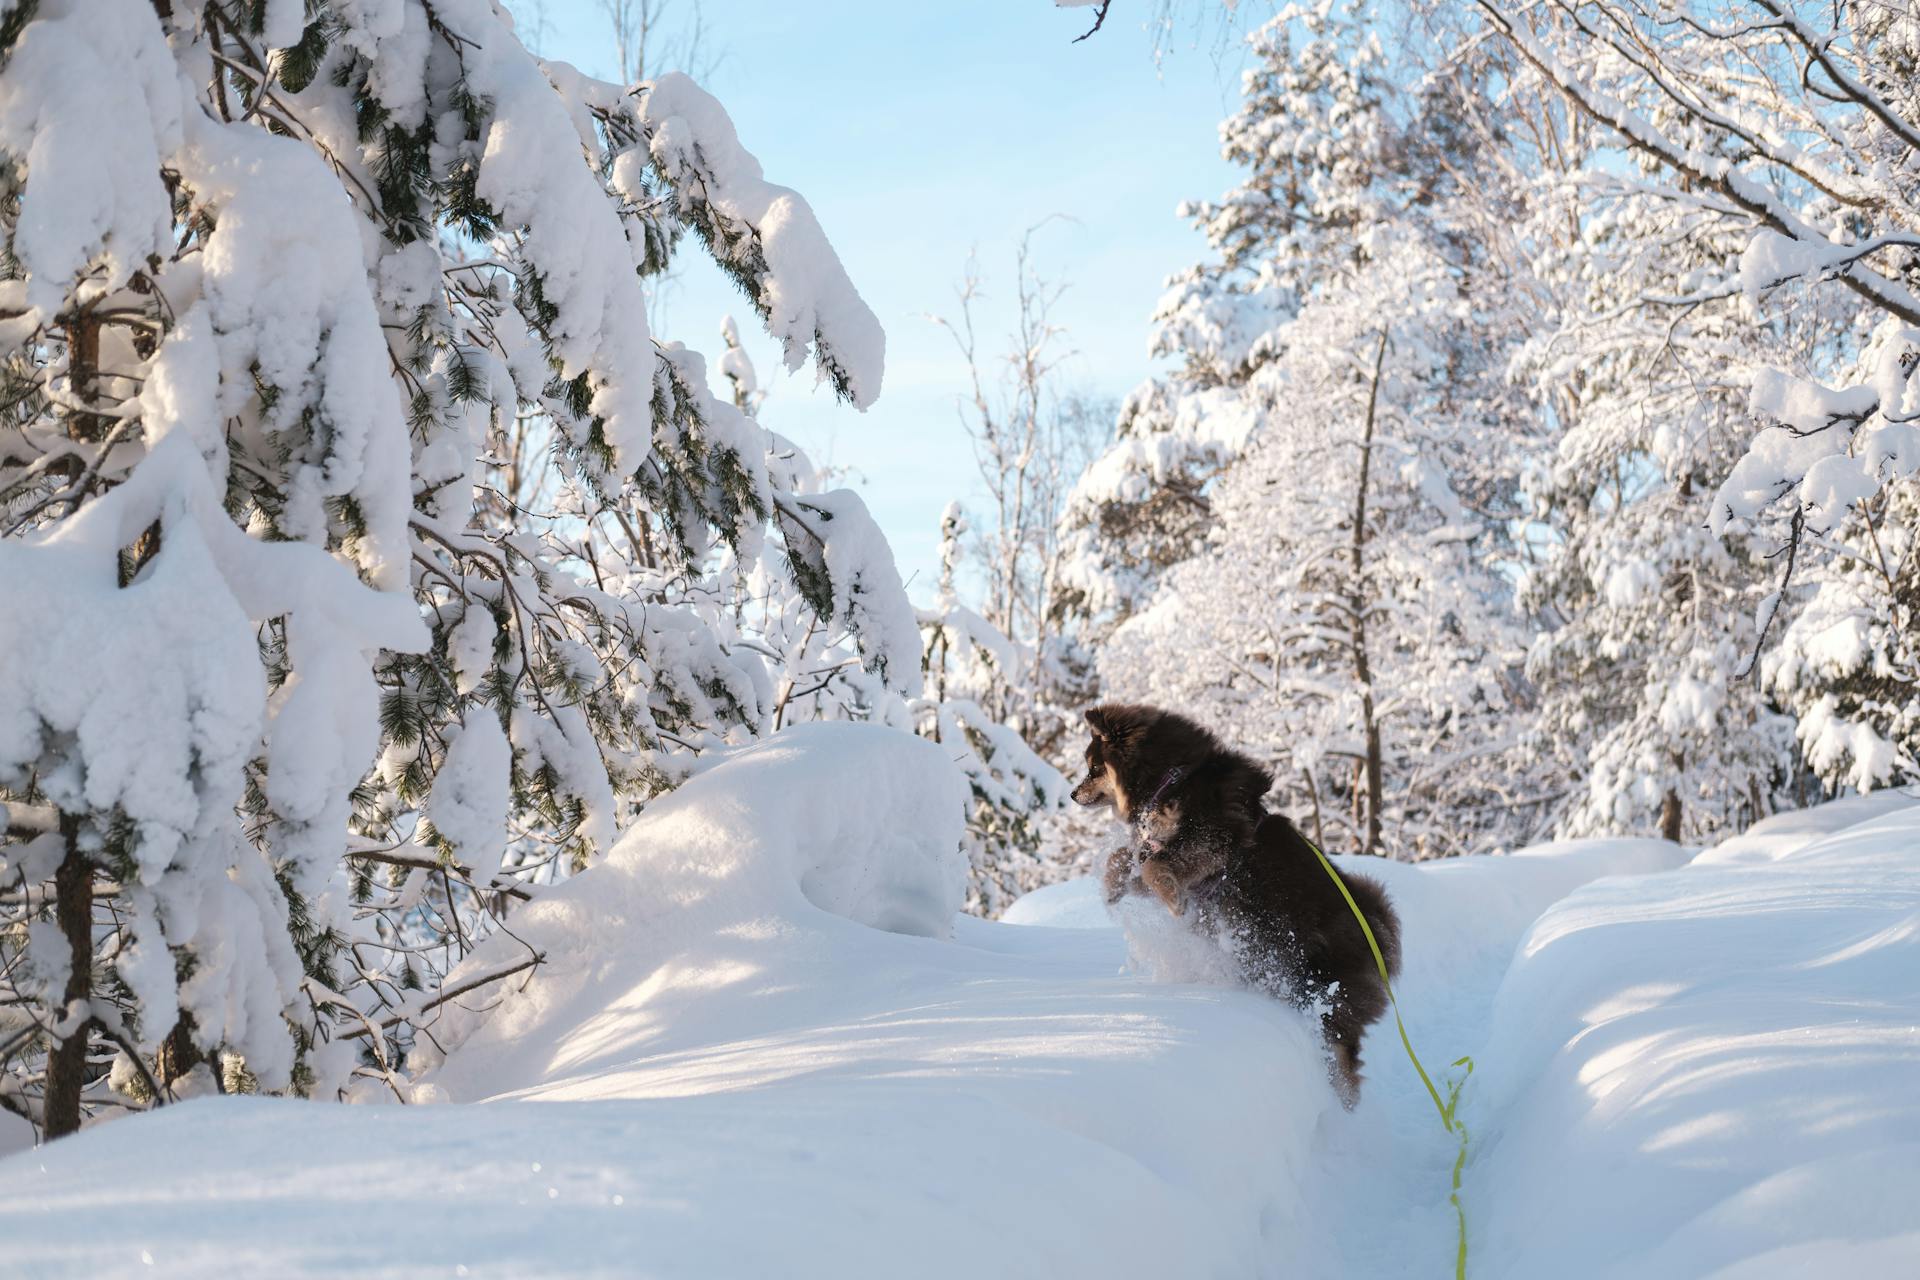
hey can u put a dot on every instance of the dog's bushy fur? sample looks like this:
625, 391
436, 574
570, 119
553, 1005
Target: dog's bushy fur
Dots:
1206, 847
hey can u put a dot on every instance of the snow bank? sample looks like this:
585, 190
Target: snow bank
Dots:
730, 1067
823, 827
1773, 838
725, 1069
1711, 1072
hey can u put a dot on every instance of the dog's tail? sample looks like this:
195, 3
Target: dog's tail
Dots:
1371, 895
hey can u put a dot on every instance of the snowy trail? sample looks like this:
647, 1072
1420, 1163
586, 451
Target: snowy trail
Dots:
1389, 1165
726, 1070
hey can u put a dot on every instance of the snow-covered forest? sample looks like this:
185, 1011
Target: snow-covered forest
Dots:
430, 685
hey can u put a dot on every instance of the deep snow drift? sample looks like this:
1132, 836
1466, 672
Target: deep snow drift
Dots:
762, 1044
1714, 1072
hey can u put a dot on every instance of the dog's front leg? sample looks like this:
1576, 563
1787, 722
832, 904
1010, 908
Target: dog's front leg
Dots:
1122, 874
1158, 873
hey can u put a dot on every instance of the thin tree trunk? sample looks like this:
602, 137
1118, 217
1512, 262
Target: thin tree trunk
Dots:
1362, 669
1313, 791
73, 912
73, 880
1670, 812
1670, 817
178, 1055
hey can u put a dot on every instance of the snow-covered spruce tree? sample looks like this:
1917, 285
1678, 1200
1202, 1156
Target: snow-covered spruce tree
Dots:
297, 688
1795, 124
1345, 617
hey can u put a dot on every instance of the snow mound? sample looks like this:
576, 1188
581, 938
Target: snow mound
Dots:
855, 822
1072, 904
1711, 1072
723, 1070
1784, 834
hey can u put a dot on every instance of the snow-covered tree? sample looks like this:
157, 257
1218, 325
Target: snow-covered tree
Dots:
1790, 128
1848, 665
1647, 617
301, 305
1339, 607
1309, 132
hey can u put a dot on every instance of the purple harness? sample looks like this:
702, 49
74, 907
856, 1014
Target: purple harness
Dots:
1173, 775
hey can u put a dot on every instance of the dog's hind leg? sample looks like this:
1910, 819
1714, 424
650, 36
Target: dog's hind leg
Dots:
1343, 1060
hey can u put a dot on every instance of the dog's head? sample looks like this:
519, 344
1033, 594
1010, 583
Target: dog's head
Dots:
1117, 732
1135, 751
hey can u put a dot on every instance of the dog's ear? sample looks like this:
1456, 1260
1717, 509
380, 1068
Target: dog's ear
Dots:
1099, 719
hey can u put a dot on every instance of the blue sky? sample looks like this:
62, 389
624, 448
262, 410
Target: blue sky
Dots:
922, 131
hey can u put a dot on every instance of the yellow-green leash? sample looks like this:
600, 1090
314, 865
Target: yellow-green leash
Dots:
1449, 1110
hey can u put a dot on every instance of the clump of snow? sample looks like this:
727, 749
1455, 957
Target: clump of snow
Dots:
767, 234
471, 647
89, 98
1834, 446
282, 216
833, 538
470, 801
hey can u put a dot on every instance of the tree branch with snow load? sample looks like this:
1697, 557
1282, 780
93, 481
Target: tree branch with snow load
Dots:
368, 563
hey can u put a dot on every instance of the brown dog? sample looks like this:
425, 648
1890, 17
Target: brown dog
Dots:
1203, 839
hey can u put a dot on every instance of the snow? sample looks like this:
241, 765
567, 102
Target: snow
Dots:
1785, 833
89, 99
761, 1044
1820, 446
470, 802
1071, 904
283, 217
1723, 1058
